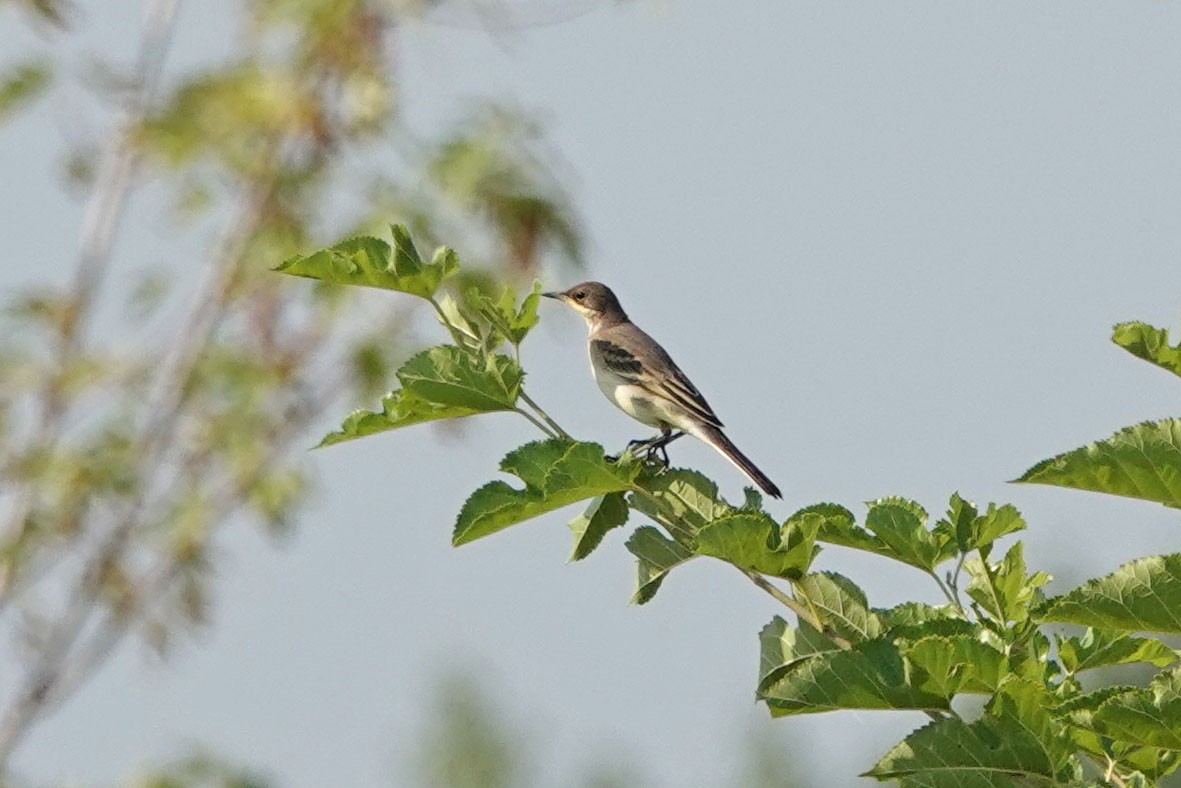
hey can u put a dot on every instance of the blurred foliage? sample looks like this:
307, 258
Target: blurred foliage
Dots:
467, 743
124, 453
20, 85
465, 737
201, 770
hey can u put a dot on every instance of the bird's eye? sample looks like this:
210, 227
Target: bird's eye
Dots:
581, 294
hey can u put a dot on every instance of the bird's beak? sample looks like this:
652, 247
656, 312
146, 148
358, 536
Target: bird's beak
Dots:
554, 294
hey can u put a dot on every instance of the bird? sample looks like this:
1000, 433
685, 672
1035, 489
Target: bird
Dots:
643, 381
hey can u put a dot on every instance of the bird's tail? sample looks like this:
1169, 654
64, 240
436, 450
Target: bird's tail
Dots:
716, 438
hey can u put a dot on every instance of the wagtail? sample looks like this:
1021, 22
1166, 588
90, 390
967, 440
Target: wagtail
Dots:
636, 374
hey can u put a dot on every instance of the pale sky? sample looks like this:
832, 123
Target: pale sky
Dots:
886, 240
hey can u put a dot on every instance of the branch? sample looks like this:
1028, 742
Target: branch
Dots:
100, 223
545, 416
155, 583
534, 421
157, 430
946, 591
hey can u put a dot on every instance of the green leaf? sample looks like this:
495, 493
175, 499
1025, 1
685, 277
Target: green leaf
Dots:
901, 525
1143, 462
1080, 711
1149, 343
1016, 743
453, 316
556, 473
896, 529
1004, 589
604, 513
751, 540
446, 375
1099, 648
909, 614
1143, 595
913, 621
1147, 717
370, 262
840, 605
440, 383
504, 315
870, 675
656, 555
399, 409
974, 531
839, 527
22, 84
781, 646
956, 664
682, 496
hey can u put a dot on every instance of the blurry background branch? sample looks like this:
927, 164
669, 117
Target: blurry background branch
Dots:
121, 460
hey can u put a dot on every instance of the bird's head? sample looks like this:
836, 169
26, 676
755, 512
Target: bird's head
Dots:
593, 300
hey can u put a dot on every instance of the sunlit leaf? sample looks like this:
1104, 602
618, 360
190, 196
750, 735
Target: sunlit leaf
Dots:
656, 555
503, 314
604, 513
439, 383
1149, 343
781, 646
448, 376
915, 614
1005, 748
1098, 648
972, 530
894, 528
901, 525
956, 664
1143, 461
399, 409
840, 605
1004, 589
556, 473
1148, 717
1142, 595
371, 262
870, 675
751, 540
682, 496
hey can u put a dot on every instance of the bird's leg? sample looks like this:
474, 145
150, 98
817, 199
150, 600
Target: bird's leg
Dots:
637, 444
642, 443
667, 436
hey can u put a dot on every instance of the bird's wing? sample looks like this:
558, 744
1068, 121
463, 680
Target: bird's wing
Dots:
651, 368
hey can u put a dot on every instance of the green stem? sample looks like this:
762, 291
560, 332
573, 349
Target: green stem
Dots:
536, 423
996, 599
802, 611
947, 592
953, 582
545, 416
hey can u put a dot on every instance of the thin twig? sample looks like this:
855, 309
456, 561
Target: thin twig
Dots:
946, 591
545, 416
534, 421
